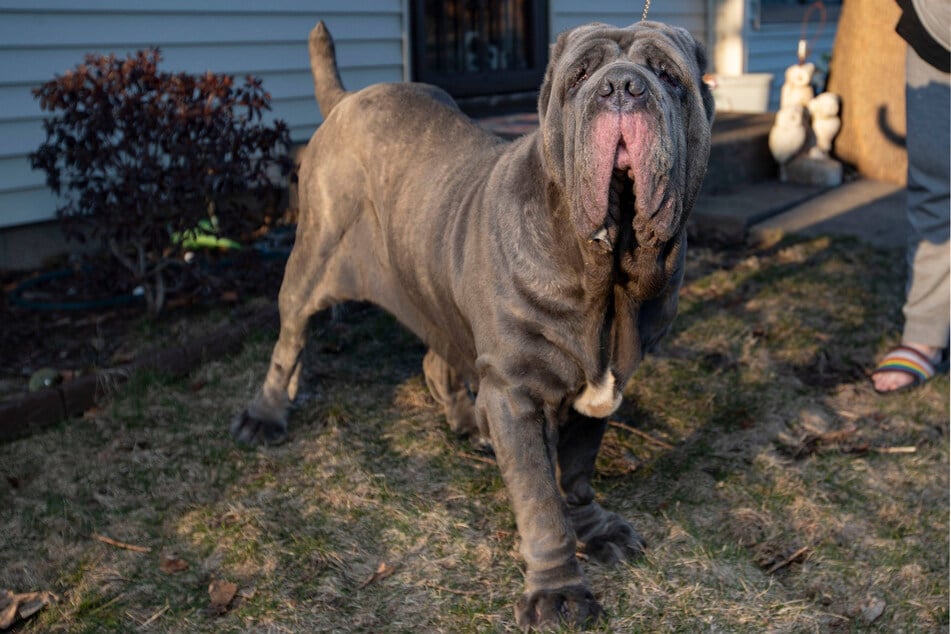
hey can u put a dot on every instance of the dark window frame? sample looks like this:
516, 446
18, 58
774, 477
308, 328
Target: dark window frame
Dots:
483, 83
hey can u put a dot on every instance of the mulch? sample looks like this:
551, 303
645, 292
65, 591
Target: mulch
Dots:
89, 320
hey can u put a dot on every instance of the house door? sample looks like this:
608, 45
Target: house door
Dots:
480, 47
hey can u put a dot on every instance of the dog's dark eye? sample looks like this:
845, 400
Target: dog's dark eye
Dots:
669, 79
580, 75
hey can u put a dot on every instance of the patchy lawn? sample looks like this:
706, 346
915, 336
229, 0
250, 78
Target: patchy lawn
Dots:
776, 490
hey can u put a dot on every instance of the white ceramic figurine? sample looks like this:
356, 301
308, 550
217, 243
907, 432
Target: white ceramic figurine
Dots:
787, 136
824, 112
797, 87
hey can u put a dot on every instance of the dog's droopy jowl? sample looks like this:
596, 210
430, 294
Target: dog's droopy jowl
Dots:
537, 272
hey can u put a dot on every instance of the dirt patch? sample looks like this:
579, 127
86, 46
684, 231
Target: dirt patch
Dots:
66, 321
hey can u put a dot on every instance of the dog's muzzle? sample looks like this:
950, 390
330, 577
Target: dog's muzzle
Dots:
622, 89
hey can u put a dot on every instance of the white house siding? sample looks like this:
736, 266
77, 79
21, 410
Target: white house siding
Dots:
690, 14
41, 38
772, 49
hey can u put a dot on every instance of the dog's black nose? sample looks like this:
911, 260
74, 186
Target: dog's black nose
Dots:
622, 87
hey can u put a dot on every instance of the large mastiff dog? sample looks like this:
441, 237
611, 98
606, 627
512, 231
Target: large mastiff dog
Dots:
538, 273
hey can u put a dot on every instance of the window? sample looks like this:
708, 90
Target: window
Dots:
480, 47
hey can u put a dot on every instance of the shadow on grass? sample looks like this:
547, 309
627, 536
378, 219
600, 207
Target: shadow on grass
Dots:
766, 347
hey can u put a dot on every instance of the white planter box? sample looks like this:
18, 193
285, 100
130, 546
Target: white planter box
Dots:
743, 93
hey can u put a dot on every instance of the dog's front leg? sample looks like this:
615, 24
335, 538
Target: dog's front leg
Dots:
605, 536
525, 442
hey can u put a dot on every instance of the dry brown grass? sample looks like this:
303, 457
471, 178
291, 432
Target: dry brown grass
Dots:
760, 474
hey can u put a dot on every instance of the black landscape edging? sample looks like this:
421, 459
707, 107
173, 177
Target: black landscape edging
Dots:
47, 407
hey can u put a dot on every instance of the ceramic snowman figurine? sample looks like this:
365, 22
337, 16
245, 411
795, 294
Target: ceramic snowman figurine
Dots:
787, 136
824, 112
797, 87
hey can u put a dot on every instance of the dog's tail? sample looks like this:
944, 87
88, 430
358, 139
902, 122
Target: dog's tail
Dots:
323, 65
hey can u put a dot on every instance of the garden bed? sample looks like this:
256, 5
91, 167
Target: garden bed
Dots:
66, 322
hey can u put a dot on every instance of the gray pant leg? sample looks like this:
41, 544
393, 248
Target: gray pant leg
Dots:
928, 106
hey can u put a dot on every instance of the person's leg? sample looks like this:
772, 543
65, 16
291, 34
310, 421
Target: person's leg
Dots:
926, 309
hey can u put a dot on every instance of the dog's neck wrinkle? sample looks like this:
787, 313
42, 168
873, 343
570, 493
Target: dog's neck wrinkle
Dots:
607, 328
554, 221
620, 309
542, 260
602, 311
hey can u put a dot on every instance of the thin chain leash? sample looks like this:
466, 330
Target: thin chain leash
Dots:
647, 7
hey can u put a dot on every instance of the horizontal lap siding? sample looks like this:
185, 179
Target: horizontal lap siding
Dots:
689, 14
772, 49
39, 39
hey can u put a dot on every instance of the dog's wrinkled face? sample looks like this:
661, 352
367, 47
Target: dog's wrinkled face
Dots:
625, 118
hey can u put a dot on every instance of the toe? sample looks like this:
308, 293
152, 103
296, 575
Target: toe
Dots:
891, 381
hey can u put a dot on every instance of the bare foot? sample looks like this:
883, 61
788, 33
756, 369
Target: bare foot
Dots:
891, 381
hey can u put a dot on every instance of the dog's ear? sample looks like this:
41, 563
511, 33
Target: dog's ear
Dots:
705, 93
555, 51
693, 48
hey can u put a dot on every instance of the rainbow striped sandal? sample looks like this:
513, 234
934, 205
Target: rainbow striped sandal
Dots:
907, 361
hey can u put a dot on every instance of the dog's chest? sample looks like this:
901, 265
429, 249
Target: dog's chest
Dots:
600, 399
612, 351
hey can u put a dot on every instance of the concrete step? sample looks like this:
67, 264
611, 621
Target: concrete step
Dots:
739, 152
868, 210
726, 218
763, 213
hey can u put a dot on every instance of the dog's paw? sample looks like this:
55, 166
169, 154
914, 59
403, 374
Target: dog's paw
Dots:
619, 542
251, 431
606, 537
544, 609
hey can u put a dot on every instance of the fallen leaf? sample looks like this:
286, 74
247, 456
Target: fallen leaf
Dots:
171, 565
30, 607
811, 443
872, 609
382, 572
8, 609
221, 593
22, 605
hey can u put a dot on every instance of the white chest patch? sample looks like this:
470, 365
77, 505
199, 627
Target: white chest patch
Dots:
598, 401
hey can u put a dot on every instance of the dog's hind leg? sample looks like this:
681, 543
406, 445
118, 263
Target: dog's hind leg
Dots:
450, 391
605, 537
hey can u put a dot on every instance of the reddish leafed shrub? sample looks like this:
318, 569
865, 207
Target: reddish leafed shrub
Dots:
140, 156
